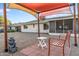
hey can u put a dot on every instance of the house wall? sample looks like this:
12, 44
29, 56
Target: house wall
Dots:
34, 29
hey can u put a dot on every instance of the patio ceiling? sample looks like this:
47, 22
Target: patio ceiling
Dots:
43, 8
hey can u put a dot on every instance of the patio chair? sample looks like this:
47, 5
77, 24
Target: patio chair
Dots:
61, 42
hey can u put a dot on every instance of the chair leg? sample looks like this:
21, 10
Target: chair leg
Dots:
69, 43
63, 50
49, 47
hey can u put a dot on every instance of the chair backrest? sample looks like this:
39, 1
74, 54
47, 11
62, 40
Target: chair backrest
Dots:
68, 35
67, 38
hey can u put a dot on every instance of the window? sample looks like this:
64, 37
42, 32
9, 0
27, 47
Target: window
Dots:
33, 25
52, 26
25, 27
62, 26
45, 26
68, 25
59, 26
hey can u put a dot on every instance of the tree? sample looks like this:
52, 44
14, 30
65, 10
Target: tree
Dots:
2, 21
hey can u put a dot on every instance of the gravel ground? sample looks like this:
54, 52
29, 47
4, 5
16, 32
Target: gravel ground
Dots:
24, 40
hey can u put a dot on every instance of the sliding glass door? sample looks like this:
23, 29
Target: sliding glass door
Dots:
59, 26
68, 25
52, 26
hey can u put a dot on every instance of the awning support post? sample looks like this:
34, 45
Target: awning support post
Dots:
5, 29
38, 25
75, 37
78, 20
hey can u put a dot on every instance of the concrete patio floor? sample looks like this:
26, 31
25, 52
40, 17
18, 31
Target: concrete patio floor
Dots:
24, 40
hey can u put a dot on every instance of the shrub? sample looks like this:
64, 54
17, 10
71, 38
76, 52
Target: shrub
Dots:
11, 31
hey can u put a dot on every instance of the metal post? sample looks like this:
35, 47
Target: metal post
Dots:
5, 28
78, 19
75, 38
38, 25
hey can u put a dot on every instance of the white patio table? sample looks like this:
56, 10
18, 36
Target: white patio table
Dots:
42, 42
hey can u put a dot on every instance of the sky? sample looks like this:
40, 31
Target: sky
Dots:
17, 16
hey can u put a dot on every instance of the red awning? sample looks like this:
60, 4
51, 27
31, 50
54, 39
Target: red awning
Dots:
43, 7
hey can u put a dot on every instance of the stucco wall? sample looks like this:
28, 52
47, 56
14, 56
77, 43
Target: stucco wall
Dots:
34, 29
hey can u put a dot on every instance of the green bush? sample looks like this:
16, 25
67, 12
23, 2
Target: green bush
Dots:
11, 31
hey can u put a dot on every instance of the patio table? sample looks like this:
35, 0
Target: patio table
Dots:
42, 42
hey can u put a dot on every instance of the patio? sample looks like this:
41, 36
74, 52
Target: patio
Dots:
29, 44
34, 10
